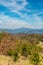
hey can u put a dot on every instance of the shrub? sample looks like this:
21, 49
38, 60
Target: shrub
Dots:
24, 50
35, 58
1, 36
15, 56
9, 52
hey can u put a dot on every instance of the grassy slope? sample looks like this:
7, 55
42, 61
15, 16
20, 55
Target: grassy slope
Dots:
41, 54
6, 60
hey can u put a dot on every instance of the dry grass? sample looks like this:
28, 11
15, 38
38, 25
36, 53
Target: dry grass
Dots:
41, 54
6, 60
40, 44
9, 42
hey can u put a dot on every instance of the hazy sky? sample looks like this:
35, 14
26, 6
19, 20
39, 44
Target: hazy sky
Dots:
21, 13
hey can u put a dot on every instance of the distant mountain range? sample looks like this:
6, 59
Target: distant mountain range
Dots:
23, 30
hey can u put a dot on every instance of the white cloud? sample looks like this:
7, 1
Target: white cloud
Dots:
13, 6
8, 22
32, 22
37, 18
37, 21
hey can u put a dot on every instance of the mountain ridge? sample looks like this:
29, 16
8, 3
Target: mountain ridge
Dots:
23, 30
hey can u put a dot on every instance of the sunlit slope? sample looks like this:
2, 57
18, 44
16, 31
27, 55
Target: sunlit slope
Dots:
17, 42
6, 60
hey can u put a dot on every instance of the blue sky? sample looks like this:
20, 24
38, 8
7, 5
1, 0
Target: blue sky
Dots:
21, 13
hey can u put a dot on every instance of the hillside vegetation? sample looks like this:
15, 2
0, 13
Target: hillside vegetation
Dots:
21, 49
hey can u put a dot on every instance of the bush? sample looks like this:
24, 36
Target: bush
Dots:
15, 56
24, 50
35, 58
9, 52
1, 36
